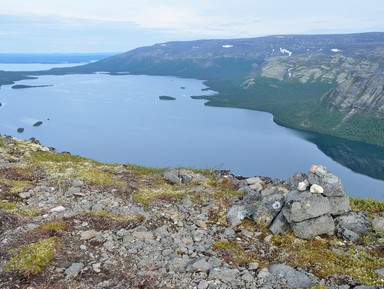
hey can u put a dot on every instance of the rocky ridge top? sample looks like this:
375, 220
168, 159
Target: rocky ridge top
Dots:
70, 222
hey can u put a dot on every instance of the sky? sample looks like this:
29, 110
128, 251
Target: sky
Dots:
65, 26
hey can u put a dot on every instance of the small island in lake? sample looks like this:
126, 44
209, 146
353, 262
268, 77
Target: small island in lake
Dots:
38, 123
20, 130
22, 86
166, 97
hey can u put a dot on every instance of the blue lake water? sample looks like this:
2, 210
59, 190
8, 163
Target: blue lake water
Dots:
120, 119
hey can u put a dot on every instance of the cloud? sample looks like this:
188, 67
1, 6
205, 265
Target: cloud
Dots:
70, 24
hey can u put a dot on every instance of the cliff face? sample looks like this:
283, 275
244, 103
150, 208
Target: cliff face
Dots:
358, 93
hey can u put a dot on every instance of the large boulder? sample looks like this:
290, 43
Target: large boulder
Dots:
339, 205
267, 209
314, 227
306, 206
352, 226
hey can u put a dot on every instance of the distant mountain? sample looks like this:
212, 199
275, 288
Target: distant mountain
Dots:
332, 84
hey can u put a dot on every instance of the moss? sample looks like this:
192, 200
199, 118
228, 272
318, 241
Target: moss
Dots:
1, 144
141, 170
160, 192
13, 208
30, 259
330, 258
234, 252
52, 227
60, 166
16, 186
8, 207
370, 206
59, 158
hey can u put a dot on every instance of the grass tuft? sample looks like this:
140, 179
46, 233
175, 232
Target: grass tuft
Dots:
30, 259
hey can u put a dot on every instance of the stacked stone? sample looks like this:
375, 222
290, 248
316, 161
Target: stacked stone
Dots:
311, 204
311, 209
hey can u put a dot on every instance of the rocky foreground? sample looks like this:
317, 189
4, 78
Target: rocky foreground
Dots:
70, 222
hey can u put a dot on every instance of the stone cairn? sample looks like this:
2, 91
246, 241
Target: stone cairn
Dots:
310, 205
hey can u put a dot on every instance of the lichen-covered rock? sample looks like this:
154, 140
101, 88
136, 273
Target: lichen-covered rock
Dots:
236, 215
314, 227
307, 206
352, 226
339, 205
267, 209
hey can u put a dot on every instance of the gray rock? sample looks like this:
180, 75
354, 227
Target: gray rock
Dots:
87, 235
143, 235
339, 205
380, 271
247, 191
355, 222
229, 233
267, 209
200, 265
292, 182
178, 264
308, 206
25, 195
365, 287
215, 262
73, 191
77, 183
223, 274
253, 180
314, 227
172, 176
247, 277
236, 215
294, 278
378, 224
253, 266
161, 232
183, 176
330, 183
74, 270
203, 284
279, 225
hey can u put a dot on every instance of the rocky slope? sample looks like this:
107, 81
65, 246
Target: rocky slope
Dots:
70, 222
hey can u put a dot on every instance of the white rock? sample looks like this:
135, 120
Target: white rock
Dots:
302, 186
316, 189
96, 267
58, 209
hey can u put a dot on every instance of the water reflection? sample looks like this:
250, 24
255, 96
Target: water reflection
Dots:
359, 157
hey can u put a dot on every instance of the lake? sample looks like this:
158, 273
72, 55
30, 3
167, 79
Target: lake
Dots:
120, 119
